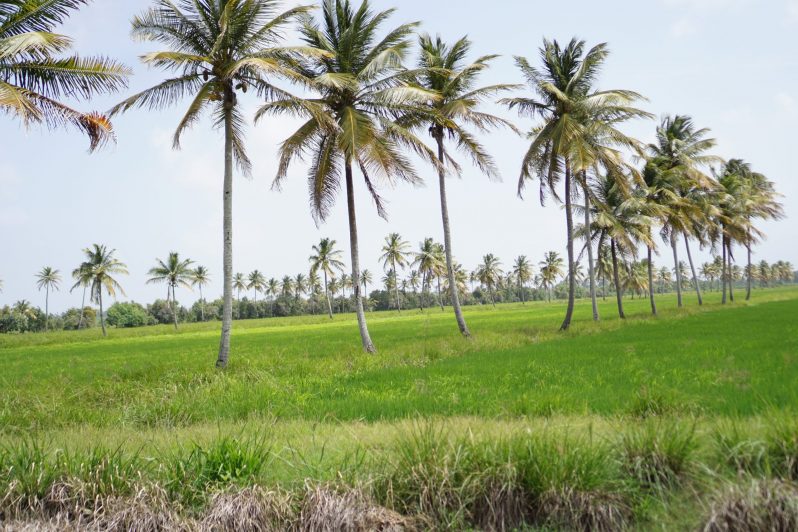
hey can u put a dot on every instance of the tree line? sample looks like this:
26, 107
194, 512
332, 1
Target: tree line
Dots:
367, 111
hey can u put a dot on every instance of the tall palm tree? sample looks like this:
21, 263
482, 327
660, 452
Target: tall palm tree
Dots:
82, 276
550, 270
674, 172
200, 277
490, 273
522, 270
49, 279
173, 272
366, 279
257, 282
216, 49
414, 280
327, 259
578, 130
427, 260
239, 284
287, 286
395, 255
104, 267
34, 76
300, 286
444, 72
362, 88
272, 290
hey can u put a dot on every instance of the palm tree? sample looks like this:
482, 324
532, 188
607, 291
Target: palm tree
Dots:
174, 272
444, 72
366, 279
314, 288
287, 286
33, 77
394, 255
300, 286
200, 277
49, 279
257, 282
82, 276
489, 274
578, 131
216, 48
550, 271
327, 259
674, 175
102, 264
414, 280
522, 270
352, 123
239, 284
427, 261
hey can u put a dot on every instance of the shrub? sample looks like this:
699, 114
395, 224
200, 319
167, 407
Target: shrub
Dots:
125, 315
758, 506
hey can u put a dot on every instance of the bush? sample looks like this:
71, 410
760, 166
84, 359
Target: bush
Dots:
128, 315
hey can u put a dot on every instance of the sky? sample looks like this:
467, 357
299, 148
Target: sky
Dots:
729, 64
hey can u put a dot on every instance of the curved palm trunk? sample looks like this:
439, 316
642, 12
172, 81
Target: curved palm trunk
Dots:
82, 308
618, 290
590, 267
692, 269
368, 345
651, 281
102, 317
676, 267
569, 222
174, 306
447, 242
227, 230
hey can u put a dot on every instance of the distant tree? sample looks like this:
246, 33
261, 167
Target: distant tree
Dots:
427, 262
48, 279
522, 270
239, 284
327, 259
300, 286
395, 255
366, 279
551, 268
173, 272
201, 277
103, 267
256, 282
489, 274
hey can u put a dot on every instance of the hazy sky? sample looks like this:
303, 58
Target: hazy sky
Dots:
730, 64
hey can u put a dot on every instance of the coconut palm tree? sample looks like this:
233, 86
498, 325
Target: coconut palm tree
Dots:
362, 88
34, 75
272, 289
395, 255
217, 49
173, 272
489, 274
427, 261
445, 72
239, 284
200, 277
82, 276
257, 282
551, 268
366, 279
287, 286
577, 131
522, 270
49, 279
414, 280
104, 267
300, 286
327, 259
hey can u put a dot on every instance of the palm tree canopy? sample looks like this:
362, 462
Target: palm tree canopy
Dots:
522, 269
103, 267
256, 281
394, 252
48, 278
489, 272
200, 276
326, 258
34, 75
428, 258
362, 89
173, 271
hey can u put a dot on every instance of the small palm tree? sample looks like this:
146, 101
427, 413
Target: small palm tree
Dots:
300, 286
239, 284
33, 78
49, 279
82, 276
362, 88
201, 277
327, 259
427, 261
395, 255
272, 289
287, 286
489, 274
257, 282
551, 268
366, 279
102, 264
446, 74
522, 270
217, 49
173, 272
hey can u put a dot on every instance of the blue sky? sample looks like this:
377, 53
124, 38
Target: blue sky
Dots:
730, 64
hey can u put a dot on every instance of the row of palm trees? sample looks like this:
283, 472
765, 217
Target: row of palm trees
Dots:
366, 113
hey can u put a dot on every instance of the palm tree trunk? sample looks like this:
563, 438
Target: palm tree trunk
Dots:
521, 292
692, 269
731, 271
748, 270
82, 308
396, 286
569, 223
724, 272
102, 317
46, 308
651, 281
202, 304
368, 345
227, 229
678, 270
618, 291
423, 291
590, 267
440, 297
492, 298
447, 241
327, 294
174, 306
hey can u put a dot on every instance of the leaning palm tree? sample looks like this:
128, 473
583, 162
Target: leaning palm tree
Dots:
49, 279
444, 72
522, 270
394, 255
327, 259
173, 272
201, 277
578, 131
104, 267
82, 276
352, 124
216, 48
489, 274
34, 76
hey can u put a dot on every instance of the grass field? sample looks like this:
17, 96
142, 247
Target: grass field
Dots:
712, 389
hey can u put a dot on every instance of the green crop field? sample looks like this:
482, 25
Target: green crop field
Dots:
301, 402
